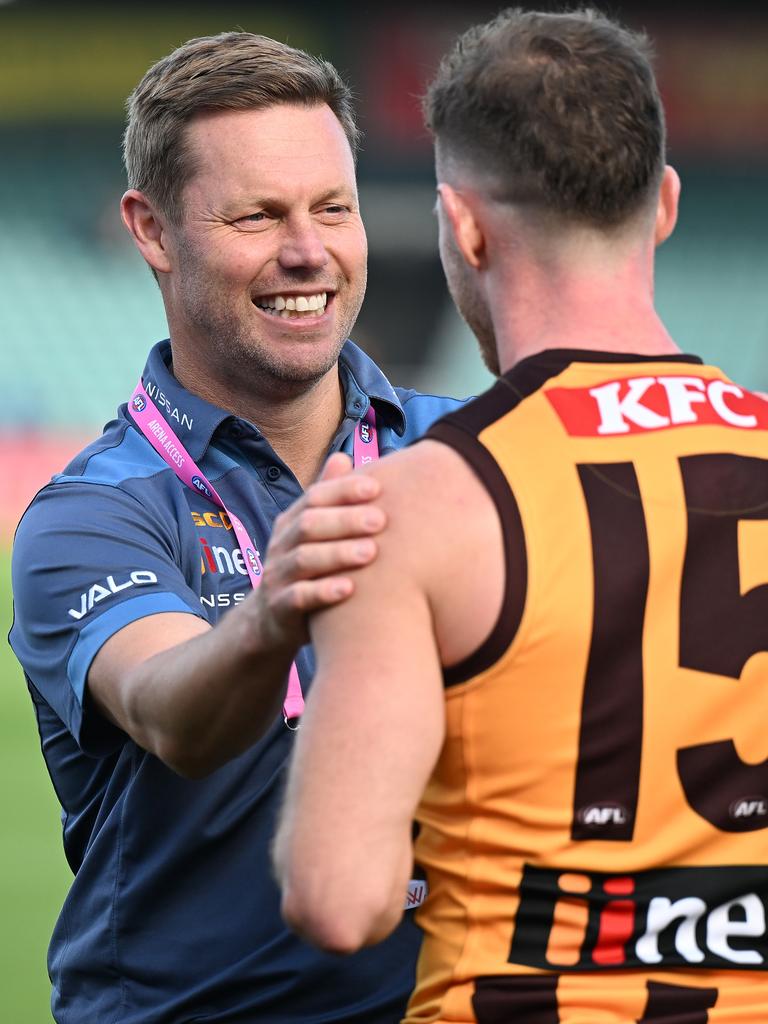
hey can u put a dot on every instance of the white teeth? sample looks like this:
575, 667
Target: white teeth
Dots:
295, 306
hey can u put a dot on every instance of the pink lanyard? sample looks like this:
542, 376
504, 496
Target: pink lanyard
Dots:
167, 445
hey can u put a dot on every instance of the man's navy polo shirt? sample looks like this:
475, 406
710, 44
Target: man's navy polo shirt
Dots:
173, 915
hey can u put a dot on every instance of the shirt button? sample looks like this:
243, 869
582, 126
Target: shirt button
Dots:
273, 473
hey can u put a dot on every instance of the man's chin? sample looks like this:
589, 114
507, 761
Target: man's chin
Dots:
301, 363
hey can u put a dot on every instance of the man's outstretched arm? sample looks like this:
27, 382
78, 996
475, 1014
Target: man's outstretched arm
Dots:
196, 695
369, 739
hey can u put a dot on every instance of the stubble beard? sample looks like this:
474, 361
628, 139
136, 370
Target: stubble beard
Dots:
473, 309
231, 346
239, 355
479, 322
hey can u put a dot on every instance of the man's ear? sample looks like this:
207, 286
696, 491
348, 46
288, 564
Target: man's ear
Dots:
666, 211
147, 228
464, 224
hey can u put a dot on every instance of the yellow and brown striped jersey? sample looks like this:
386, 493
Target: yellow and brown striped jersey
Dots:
595, 832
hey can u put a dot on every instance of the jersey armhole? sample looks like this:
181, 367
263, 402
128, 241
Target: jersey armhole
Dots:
510, 615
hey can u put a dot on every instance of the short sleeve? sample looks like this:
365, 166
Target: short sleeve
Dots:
88, 559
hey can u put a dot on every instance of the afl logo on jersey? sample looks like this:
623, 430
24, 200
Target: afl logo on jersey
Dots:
198, 483
253, 561
748, 807
365, 432
139, 403
597, 815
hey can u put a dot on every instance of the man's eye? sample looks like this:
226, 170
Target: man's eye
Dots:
252, 218
335, 210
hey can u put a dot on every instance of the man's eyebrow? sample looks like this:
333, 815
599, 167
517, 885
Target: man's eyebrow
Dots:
265, 201
342, 192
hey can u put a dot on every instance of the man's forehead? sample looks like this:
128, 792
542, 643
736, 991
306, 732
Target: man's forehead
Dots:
269, 148
282, 127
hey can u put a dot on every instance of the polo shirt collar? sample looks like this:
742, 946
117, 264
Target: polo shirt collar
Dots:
194, 421
364, 383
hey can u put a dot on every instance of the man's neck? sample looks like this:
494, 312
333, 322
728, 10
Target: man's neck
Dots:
610, 313
299, 422
302, 427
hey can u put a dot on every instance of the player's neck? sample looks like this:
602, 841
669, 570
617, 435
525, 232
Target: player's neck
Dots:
611, 312
299, 422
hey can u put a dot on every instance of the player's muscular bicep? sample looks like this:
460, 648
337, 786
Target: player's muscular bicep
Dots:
113, 670
460, 548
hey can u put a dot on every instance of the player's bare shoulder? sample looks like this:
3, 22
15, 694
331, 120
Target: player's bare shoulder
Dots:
443, 528
429, 461
427, 487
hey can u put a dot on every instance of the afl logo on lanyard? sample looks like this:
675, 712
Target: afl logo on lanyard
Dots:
139, 403
198, 483
253, 561
365, 433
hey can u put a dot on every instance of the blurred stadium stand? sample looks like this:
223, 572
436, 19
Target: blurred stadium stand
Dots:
78, 310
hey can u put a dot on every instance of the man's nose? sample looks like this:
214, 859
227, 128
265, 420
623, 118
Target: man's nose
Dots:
302, 246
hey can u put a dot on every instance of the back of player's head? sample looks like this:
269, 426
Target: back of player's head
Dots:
230, 71
556, 110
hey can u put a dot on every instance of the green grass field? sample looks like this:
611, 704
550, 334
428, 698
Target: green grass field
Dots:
33, 872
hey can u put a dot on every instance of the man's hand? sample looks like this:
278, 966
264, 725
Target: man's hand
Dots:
197, 695
327, 532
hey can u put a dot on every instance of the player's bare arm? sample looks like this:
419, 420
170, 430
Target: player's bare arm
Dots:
377, 703
197, 695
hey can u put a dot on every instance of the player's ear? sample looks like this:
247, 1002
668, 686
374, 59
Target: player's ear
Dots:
147, 227
461, 216
666, 210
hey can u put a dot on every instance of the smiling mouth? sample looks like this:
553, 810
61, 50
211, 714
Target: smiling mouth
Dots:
294, 307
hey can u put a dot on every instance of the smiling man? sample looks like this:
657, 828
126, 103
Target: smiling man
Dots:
165, 722
264, 273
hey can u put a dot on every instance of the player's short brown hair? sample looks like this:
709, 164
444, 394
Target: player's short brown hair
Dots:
230, 71
559, 110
